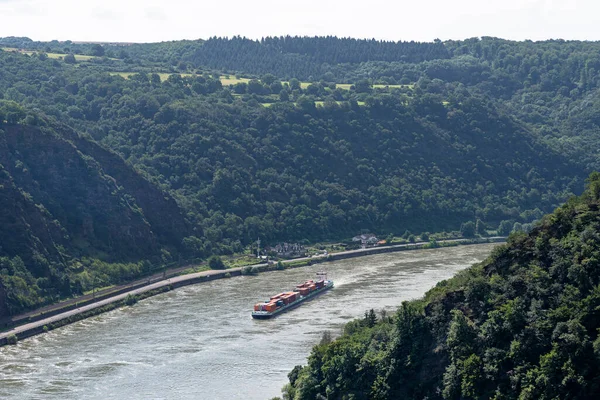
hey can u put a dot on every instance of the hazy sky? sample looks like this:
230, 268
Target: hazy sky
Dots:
422, 20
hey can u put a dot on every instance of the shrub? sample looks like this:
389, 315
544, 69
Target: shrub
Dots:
280, 266
131, 300
45, 328
12, 339
228, 275
246, 271
215, 262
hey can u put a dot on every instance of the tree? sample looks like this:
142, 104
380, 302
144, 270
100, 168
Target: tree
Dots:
467, 229
70, 59
284, 95
505, 228
517, 227
97, 50
295, 84
363, 86
268, 79
480, 227
312, 89
12, 112
240, 88
276, 87
370, 318
255, 87
306, 103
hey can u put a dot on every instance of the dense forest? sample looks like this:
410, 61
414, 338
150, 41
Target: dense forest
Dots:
65, 204
303, 139
523, 324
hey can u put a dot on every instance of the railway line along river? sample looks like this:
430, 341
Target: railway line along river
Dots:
200, 342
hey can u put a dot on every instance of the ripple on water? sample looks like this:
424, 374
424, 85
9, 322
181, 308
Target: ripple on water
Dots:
56, 387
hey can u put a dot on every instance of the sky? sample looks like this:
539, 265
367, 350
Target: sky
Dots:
419, 20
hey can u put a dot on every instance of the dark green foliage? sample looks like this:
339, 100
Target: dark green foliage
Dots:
524, 324
12, 339
505, 228
70, 59
61, 212
131, 300
468, 229
303, 57
304, 172
215, 262
250, 270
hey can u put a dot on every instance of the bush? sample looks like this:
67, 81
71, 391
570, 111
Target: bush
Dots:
45, 328
228, 275
280, 266
131, 300
215, 262
247, 271
254, 270
12, 339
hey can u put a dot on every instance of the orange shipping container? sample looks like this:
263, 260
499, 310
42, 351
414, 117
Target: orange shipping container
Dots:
304, 291
270, 307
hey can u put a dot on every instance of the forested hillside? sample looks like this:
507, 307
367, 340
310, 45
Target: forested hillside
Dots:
65, 204
384, 136
423, 160
523, 324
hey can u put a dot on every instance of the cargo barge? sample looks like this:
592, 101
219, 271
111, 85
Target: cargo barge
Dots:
288, 300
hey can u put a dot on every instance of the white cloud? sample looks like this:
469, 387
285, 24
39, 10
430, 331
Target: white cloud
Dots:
154, 20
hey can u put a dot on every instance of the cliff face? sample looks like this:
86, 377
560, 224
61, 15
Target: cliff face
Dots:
159, 208
63, 198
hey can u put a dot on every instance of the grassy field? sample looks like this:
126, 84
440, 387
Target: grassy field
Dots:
225, 79
228, 80
56, 56
163, 75
232, 80
317, 103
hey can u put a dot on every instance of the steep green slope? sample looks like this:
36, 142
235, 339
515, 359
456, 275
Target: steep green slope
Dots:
427, 158
524, 324
65, 199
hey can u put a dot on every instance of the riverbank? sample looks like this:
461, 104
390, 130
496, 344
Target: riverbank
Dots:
131, 296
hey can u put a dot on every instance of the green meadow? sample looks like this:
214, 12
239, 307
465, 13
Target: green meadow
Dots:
55, 56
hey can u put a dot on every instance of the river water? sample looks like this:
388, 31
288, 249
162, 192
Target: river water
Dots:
199, 342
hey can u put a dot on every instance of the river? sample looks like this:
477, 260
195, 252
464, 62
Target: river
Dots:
199, 342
